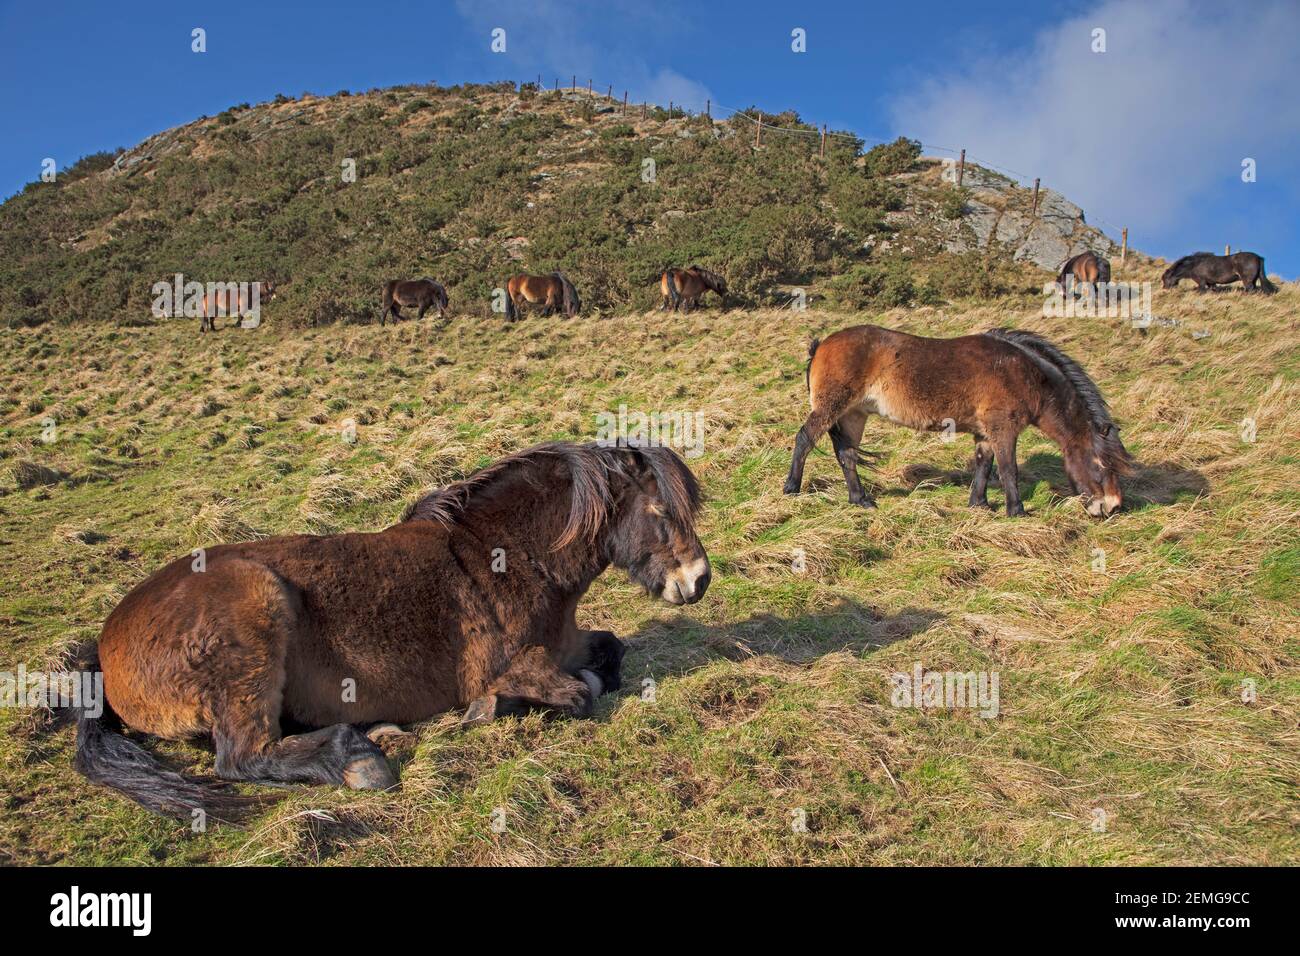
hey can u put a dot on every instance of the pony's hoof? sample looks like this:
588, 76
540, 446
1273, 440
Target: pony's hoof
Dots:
385, 730
789, 488
481, 711
370, 772
864, 502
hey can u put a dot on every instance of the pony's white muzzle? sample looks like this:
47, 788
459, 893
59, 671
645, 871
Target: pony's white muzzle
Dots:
687, 583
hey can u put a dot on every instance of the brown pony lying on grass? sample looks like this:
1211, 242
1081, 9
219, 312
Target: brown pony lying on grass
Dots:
468, 602
992, 386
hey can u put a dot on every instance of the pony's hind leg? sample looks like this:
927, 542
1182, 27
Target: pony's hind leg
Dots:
979, 486
1008, 474
532, 681
340, 754
846, 434
243, 691
811, 430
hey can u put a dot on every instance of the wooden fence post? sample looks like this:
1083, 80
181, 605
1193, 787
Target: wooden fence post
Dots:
822, 151
588, 86
670, 109
758, 132
708, 108
1227, 250
1035, 212
961, 168
575, 82
625, 102
1123, 249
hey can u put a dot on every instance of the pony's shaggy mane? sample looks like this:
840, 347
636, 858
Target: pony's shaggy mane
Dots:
1067, 372
711, 279
591, 468
1191, 259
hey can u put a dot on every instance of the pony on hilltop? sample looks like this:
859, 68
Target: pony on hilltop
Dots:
418, 293
1209, 271
553, 292
684, 287
468, 602
1088, 269
991, 386
235, 301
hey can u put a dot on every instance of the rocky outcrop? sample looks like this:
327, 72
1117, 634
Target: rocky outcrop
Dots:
999, 211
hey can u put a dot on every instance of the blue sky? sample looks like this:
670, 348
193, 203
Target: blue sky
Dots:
1149, 133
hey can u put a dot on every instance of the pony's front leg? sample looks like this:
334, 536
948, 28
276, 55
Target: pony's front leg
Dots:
1009, 475
532, 681
603, 672
979, 486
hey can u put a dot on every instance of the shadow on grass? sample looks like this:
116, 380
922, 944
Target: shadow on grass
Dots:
1154, 483
675, 646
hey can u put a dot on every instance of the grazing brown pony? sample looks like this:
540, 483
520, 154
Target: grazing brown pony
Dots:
992, 386
233, 300
1209, 271
468, 602
683, 287
1088, 269
553, 292
419, 293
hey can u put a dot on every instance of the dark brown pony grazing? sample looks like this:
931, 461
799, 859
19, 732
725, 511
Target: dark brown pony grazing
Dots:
418, 293
1209, 271
992, 386
553, 292
468, 602
1088, 269
235, 300
683, 287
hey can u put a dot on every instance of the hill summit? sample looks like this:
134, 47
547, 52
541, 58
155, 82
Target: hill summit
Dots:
331, 196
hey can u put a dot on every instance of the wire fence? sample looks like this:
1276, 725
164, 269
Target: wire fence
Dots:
825, 135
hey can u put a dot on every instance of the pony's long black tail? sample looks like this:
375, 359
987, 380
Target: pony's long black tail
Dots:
113, 760
572, 306
1103, 270
1065, 270
674, 297
388, 301
807, 369
1264, 284
511, 312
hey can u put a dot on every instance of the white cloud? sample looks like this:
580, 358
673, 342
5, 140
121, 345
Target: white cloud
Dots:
556, 39
1184, 92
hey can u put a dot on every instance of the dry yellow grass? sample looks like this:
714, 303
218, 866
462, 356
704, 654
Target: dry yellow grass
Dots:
1120, 684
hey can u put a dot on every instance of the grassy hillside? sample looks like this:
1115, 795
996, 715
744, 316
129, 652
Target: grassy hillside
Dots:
470, 185
1120, 687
